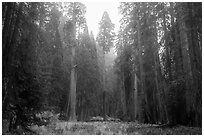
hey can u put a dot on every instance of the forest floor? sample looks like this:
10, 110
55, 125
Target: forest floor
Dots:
109, 128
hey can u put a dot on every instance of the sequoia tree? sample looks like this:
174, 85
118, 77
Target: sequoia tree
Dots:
105, 40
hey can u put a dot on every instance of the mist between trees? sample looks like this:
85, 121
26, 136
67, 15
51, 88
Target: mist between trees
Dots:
51, 62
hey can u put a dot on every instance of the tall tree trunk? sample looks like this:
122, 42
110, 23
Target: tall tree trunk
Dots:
122, 94
172, 13
135, 96
168, 59
104, 92
195, 64
186, 61
73, 87
7, 25
158, 90
162, 90
73, 74
142, 92
178, 57
122, 91
8, 51
168, 68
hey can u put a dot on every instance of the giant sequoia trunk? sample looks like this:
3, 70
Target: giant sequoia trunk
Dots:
158, 90
5, 48
72, 96
167, 47
73, 74
9, 44
73, 87
195, 64
9, 19
161, 93
191, 55
142, 91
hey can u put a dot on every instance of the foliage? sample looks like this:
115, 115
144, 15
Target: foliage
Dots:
156, 77
106, 34
87, 77
165, 59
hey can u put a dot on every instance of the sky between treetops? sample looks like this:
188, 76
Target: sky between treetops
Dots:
94, 12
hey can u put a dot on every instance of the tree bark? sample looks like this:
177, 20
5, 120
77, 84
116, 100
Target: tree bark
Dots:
195, 64
161, 90
104, 92
8, 50
185, 41
7, 24
135, 96
142, 92
158, 89
122, 94
167, 49
73, 87
73, 74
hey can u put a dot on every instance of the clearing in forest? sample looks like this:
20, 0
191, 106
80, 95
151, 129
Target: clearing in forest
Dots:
113, 128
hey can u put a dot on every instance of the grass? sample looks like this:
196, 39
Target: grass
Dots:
108, 128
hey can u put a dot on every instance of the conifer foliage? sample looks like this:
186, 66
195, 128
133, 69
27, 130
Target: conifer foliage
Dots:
52, 62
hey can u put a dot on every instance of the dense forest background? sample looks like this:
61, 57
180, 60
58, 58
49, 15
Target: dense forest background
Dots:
52, 62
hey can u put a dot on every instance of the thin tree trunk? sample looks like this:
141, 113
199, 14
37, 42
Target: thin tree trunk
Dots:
158, 90
135, 96
172, 13
123, 97
122, 91
142, 94
178, 57
104, 92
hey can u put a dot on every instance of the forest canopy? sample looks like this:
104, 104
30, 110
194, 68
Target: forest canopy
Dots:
51, 61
